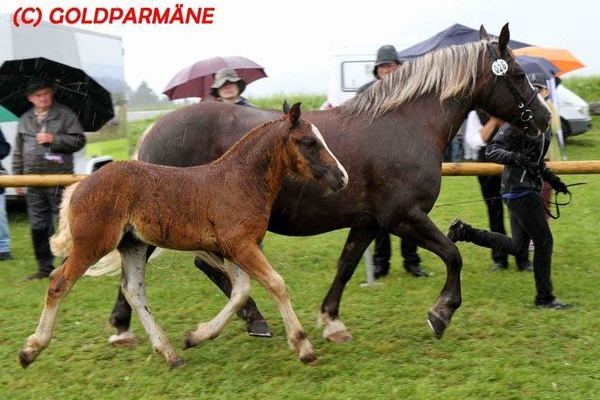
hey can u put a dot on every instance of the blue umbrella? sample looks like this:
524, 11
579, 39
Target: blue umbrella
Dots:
454, 35
532, 65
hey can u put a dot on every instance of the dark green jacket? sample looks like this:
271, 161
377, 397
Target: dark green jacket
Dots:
29, 157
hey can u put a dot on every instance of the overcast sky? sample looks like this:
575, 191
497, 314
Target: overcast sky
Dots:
294, 39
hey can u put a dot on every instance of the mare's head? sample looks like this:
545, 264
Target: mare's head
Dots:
506, 92
308, 153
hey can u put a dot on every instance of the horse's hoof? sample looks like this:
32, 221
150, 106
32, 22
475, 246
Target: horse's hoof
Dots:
125, 339
188, 342
437, 324
339, 337
259, 328
26, 358
310, 359
177, 363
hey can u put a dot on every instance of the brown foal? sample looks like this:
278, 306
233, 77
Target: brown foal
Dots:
220, 210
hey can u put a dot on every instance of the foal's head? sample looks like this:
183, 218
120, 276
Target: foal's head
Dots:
308, 153
508, 94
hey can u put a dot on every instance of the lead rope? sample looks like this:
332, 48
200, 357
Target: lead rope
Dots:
555, 202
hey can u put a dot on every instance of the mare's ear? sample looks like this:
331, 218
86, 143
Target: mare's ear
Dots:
483, 35
504, 38
286, 107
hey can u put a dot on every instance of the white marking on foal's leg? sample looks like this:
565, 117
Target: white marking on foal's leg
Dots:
340, 166
134, 264
335, 330
38, 341
297, 339
240, 291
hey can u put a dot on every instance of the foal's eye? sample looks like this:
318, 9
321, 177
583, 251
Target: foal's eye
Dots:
308, 142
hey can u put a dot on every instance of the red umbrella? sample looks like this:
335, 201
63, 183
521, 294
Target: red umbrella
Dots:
196, 80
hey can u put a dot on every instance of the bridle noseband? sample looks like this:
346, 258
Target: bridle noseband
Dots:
500, 69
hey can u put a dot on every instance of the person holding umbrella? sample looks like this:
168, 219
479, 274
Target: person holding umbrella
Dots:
47, 136
228, 87
386, 62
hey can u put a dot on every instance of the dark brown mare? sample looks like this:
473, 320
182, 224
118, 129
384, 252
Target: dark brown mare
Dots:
390, 139
225, 209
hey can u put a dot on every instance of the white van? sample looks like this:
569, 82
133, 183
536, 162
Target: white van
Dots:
350, 68
99, 55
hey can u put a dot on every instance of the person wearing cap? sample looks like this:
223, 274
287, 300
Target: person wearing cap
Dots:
47, 136
522, 178
386, 62
228, 87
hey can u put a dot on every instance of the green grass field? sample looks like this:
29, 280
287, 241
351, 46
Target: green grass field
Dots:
498, 346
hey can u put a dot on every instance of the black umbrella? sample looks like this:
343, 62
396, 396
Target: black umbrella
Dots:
453, 35
73, 88
537, 64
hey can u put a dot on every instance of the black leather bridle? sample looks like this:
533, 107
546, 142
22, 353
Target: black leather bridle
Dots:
523, 104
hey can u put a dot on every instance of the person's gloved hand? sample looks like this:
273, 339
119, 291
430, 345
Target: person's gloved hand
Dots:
559, 186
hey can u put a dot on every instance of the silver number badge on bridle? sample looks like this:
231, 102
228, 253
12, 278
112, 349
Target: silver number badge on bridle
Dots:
499, 67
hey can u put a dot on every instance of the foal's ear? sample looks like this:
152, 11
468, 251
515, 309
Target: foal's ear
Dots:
483, 35
504, 38
286, 107
294, 114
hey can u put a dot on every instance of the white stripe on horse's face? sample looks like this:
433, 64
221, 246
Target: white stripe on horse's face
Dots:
340, 166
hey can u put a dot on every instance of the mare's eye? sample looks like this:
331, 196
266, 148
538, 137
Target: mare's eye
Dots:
520, 75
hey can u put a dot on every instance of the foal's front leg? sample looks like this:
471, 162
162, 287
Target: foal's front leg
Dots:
239, 295
251, 259
133, 254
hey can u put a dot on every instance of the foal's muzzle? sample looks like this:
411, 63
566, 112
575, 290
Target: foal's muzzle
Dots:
336, 179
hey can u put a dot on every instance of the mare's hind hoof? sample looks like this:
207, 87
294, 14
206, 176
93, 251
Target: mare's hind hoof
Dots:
339, 337
124, 339
437, 324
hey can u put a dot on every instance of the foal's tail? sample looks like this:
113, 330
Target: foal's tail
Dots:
61, 242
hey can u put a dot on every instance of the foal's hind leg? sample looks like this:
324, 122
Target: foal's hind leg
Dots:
252, 260
61, 282
420, 227
133, 253
239, 294
120, 316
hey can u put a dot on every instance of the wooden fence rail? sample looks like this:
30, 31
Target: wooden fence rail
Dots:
448, 169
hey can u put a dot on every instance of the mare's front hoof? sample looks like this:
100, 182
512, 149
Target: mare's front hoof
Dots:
437, 324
